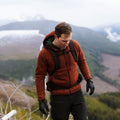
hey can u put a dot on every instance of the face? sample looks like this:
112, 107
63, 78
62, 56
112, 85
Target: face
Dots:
63, 40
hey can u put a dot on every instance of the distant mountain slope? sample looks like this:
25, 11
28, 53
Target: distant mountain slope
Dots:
112, 31
115, 28
45, 26
113, 67
100, 86
92, 42
20, 44
86, 37
95, 41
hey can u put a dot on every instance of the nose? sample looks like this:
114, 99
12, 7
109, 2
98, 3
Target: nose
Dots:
66, 43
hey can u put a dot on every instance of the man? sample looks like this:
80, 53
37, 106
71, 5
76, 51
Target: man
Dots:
66, 94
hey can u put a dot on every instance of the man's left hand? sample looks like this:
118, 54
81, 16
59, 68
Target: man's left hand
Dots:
90, 86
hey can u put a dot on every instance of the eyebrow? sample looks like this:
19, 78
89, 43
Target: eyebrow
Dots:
66, 40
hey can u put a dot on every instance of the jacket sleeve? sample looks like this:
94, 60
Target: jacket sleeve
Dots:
40, 73
82, 62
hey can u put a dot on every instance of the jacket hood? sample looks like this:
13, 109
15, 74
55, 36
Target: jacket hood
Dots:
48, 39
48, 42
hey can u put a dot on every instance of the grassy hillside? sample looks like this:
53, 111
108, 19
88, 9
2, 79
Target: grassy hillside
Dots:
95, 41
100, 107
18, 69
98, 110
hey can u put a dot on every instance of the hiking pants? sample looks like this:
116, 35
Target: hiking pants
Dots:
63, 105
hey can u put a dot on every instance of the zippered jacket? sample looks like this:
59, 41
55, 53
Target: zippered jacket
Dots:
66, 75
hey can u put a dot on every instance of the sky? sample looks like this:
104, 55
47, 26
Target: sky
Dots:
84, 13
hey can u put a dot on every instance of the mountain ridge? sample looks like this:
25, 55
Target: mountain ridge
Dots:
85, 36
93, 43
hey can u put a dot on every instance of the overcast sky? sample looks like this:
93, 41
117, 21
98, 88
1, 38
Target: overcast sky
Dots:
86, 13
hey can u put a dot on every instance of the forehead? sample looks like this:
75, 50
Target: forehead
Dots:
66, 35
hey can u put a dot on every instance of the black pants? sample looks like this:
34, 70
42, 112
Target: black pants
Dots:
63, 105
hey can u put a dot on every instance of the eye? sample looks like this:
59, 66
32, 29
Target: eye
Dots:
66, 41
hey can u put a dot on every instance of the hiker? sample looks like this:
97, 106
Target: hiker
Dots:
59, 58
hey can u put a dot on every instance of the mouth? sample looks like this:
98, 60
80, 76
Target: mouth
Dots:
65, 46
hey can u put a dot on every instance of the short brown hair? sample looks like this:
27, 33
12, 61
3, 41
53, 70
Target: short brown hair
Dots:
62, 28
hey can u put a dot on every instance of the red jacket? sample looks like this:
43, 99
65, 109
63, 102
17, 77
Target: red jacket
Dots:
66, 75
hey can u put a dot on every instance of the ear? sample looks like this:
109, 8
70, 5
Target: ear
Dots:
55, 36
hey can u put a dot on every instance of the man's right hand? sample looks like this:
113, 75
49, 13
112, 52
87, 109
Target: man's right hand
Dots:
43, 106
90, 86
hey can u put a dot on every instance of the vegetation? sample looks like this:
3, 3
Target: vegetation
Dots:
108, 80
92, 43
100, 107
22, 114
98, 110
25, 69
18, 69
94, 59
111, 99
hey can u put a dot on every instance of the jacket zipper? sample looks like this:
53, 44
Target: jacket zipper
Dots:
68, 74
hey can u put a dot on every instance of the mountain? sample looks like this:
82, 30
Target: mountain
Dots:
93, 43
112, 32
4, 21
93, 40
115, 27
44, 25
19, 49
85, 36
19, 44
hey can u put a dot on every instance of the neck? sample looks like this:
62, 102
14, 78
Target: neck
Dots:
55, 42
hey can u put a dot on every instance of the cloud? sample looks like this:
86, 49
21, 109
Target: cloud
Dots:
78, 12
113, 36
